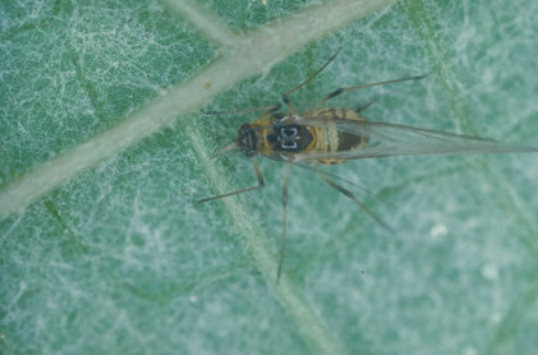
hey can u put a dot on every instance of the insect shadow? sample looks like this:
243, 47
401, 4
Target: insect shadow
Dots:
335, 135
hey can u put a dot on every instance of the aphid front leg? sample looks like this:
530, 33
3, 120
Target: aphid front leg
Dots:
261, 184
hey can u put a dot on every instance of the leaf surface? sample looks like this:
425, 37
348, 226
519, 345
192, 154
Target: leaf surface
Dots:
104, 151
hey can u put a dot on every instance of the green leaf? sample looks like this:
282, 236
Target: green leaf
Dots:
104, 151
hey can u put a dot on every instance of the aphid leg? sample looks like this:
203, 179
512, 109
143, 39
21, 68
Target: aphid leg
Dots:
284, 222
366, 105
261, 184
340, 91
285, 96
352, 196
336, 177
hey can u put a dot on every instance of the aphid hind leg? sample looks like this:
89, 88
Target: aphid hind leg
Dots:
261, 184
285, 96
342, 90
352, 196
284, 222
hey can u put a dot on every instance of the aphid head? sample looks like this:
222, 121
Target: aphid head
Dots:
246, 140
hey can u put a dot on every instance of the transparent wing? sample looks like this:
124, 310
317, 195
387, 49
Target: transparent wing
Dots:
385, 139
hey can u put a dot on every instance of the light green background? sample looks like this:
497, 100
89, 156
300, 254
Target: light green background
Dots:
120, 259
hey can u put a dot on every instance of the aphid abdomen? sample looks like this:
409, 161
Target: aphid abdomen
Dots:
329, 138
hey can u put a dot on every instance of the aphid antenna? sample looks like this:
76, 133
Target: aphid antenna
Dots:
312, 76
267, 109
342, 90
285, 96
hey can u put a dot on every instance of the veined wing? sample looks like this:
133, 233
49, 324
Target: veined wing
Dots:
386, 139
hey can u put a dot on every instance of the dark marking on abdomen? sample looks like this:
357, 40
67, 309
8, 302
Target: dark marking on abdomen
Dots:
347, 141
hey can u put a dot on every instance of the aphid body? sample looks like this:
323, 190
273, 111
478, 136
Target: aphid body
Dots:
289, 137
334, 135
